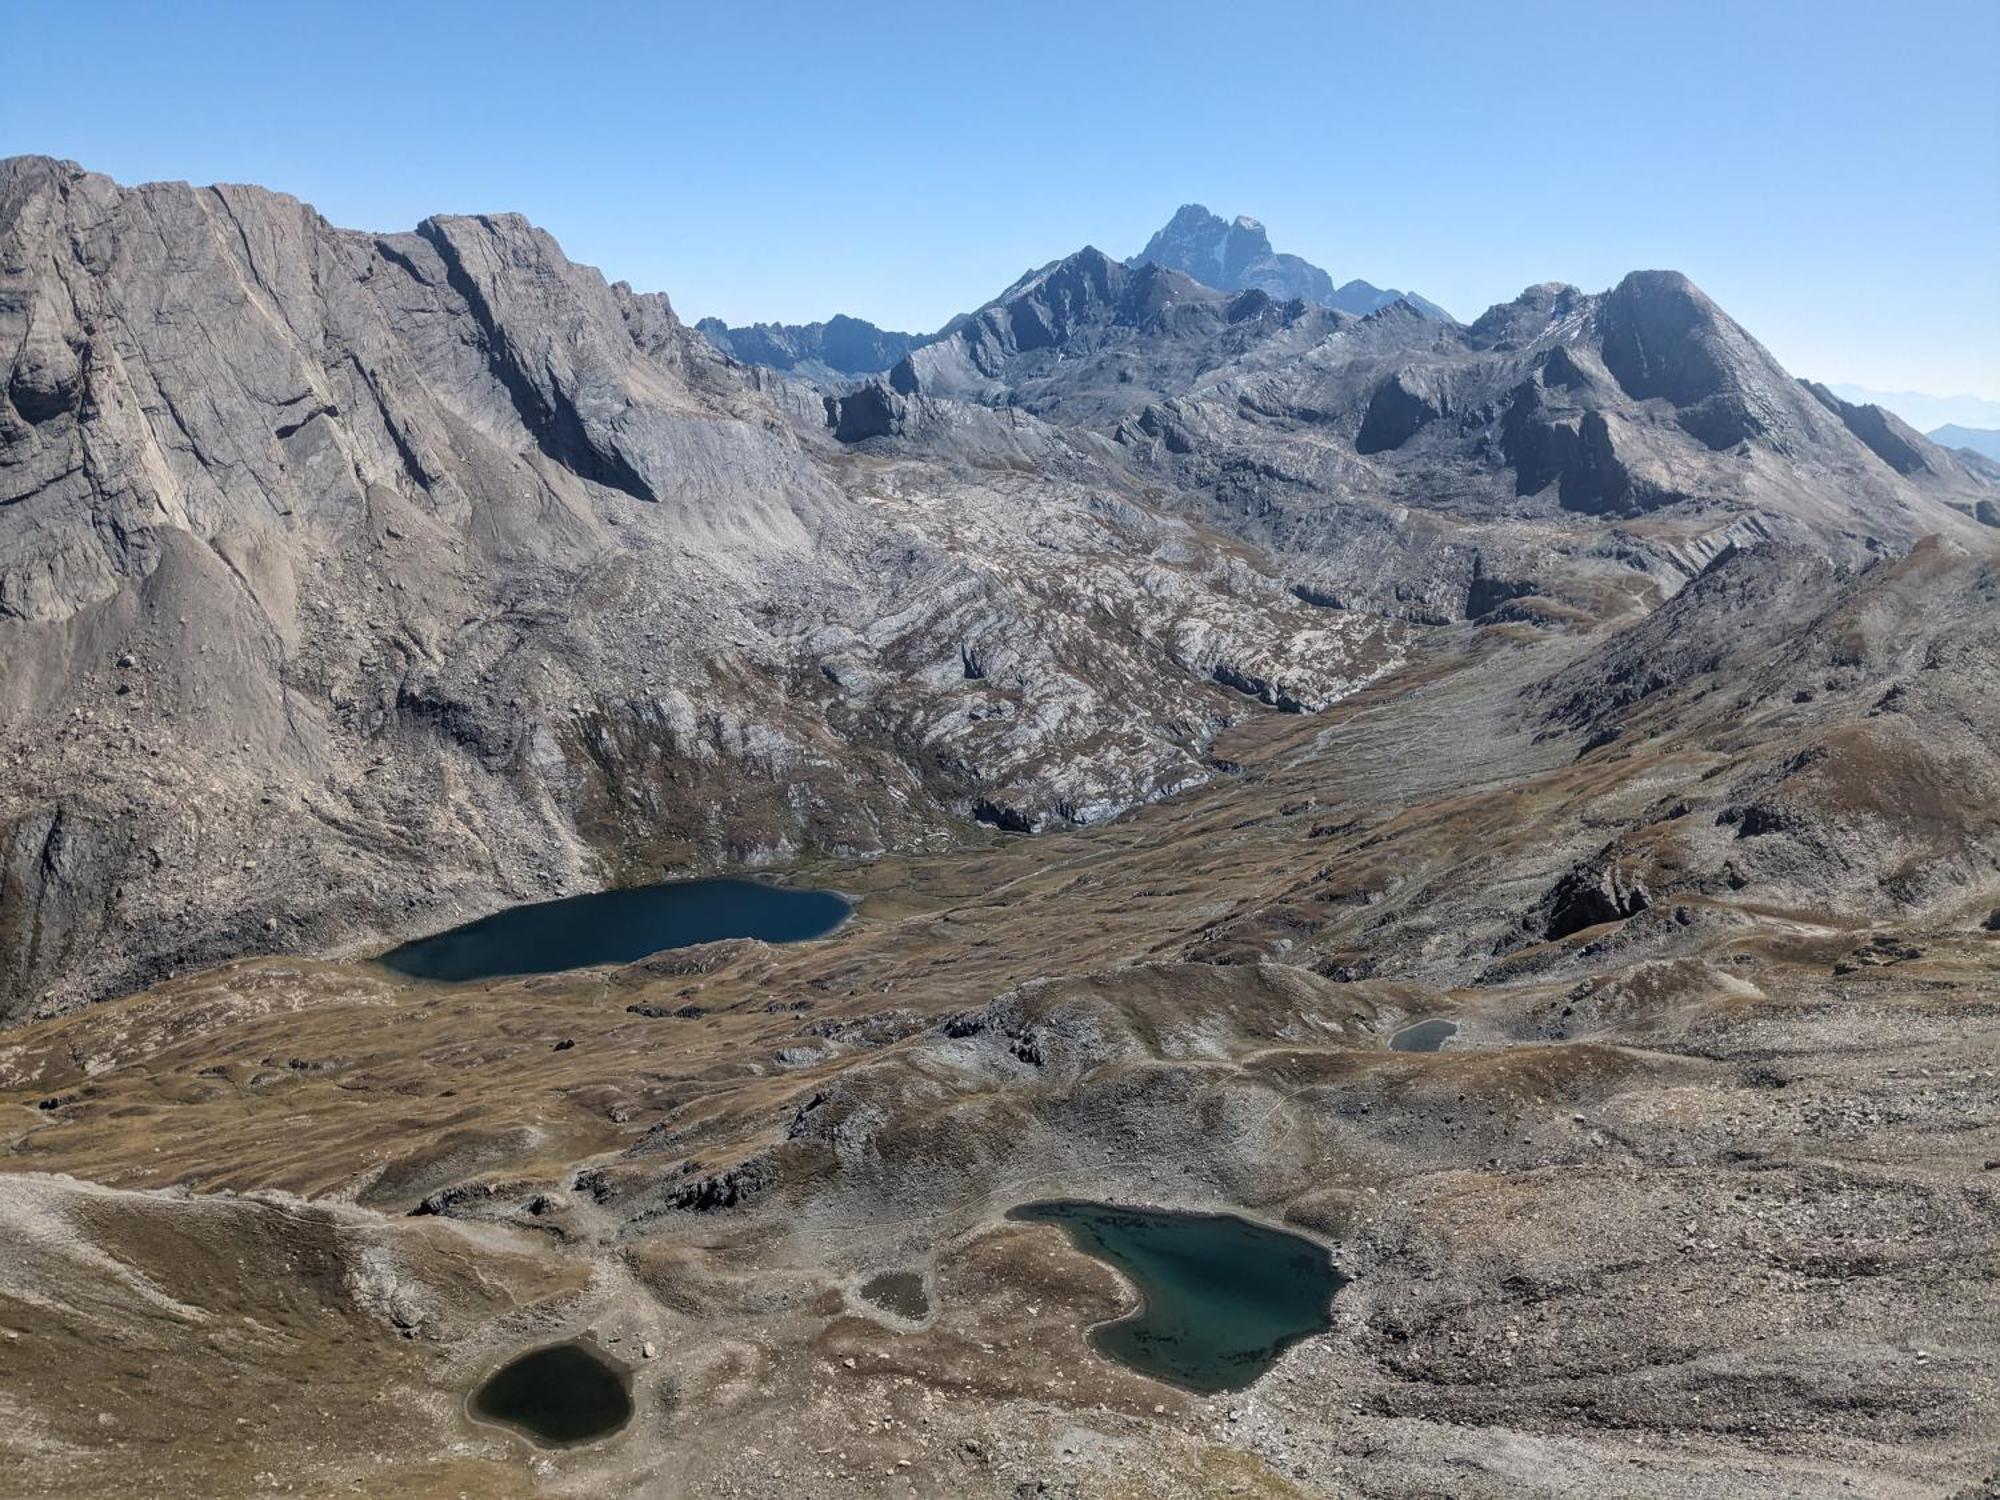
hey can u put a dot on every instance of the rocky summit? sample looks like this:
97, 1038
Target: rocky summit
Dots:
1196, 676
1236, 256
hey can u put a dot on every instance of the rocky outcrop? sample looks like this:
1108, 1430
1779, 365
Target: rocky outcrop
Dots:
1572, 451
871, 410
1590, 895
56, 866
1400, 408
722, 1190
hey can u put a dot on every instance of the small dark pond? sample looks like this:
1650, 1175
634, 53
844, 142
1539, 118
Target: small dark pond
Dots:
563, 1394
1425, 1036
899, 1292
615, 927
1220, 1297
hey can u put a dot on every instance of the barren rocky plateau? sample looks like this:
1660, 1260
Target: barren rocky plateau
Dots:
1191, 686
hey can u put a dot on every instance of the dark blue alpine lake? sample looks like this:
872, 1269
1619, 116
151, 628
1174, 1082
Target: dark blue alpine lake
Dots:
1220, 1297
616, 927
560, 1395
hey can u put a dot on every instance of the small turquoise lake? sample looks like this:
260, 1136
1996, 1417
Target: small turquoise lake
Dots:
1221, 1298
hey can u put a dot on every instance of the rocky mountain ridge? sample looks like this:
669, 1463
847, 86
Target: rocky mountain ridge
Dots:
1565, 445
320, 548
1227, 257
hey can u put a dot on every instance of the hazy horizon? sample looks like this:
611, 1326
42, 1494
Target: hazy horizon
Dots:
911, 169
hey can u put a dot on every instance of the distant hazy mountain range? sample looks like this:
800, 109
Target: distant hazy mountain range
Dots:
1228, 255
1984, 441
1924, 411
840, 346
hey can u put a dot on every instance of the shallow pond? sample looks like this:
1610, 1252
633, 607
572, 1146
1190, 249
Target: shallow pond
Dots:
559, 1395
612, 927
1220, 1297
899, 1292
1425, 1036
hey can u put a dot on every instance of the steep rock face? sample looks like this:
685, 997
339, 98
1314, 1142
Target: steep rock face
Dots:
1574, 453
349, 582
555, 342
1659, 336
1401, 406
1887, 435
244, 367
1662, 339
869, 411
1236, 255
54, 867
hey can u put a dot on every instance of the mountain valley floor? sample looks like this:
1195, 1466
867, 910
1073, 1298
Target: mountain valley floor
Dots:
1706, 1209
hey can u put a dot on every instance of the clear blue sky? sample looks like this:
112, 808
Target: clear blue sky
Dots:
1829, 171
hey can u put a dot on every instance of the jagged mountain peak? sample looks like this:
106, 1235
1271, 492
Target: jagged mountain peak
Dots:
1199, 218
1077, 314
1088, 261
1236, 255
1203, 248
